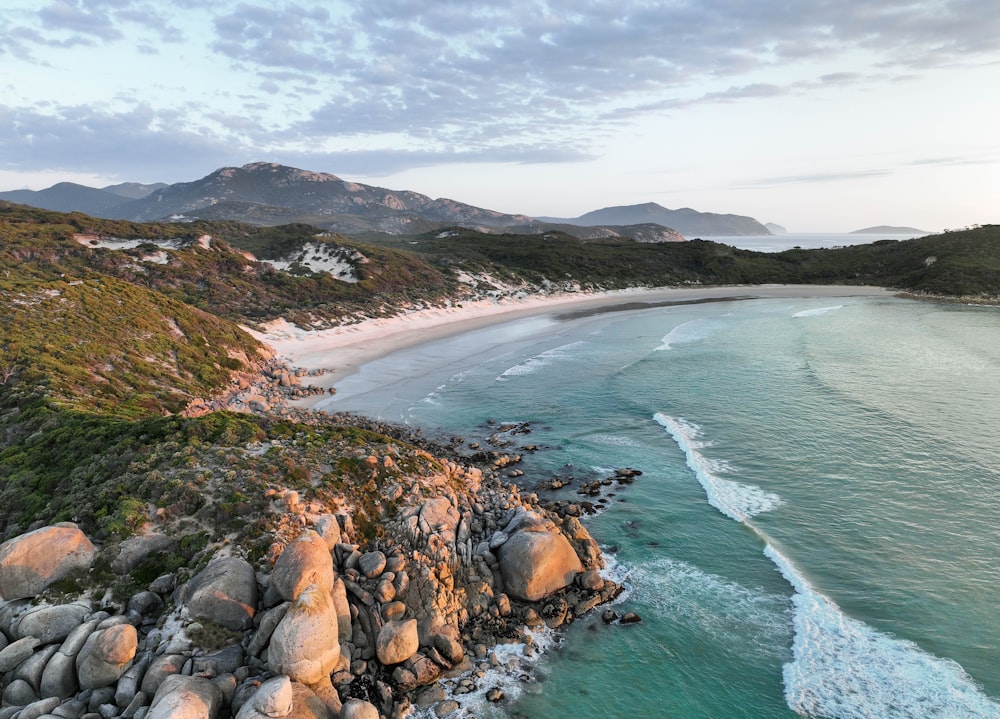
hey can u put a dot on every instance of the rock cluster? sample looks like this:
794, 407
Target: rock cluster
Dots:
326, 627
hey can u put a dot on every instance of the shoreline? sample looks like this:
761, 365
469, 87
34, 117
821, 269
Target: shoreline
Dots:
340, 352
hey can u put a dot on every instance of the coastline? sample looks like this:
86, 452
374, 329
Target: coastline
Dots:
341, 351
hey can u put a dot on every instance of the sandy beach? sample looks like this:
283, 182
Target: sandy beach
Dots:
342, 351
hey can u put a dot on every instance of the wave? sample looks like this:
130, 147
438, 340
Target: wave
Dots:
735, 500
691, 331
533, 364
727, 613
845, 669
818, 311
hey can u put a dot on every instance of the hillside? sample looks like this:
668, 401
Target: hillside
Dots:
214, 529
129, 322
688, 222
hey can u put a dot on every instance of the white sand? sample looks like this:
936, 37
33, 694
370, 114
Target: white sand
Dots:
343, 350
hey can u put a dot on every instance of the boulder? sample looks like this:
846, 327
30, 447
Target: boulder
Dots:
31, 562
397, 641
106, 655
183, 697
16, 652
306, 560
372, 564
537, 559
51, 624
358, 709
328, 528
134, 551
224, 592
305, 644
273, 699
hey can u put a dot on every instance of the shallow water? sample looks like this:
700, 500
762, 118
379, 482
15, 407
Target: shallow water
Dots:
815, 532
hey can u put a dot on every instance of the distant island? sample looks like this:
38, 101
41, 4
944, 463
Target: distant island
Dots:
890, 230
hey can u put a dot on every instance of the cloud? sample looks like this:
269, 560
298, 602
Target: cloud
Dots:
450, 80
817, 177
80, 139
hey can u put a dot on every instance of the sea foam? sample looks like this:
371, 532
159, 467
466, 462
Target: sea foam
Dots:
687, 332
735, 500
845, 669
533, 364
818, 311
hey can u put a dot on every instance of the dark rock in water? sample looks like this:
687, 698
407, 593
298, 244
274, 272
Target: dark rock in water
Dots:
608, 616
630, 618
495, 695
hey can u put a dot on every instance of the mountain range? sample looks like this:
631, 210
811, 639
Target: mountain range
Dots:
270, 194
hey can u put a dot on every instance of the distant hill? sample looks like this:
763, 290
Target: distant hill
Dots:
889, 230
775, 229
134, 190
67, 197
688, 222
269, 194
272, 194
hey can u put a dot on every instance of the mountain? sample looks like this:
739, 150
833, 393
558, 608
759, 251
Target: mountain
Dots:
67, 197
269, 193
889, 230
775, 229
685, 220
134, 190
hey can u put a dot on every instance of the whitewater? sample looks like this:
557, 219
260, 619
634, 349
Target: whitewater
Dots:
815, 532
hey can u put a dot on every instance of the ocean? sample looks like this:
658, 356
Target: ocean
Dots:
817, 528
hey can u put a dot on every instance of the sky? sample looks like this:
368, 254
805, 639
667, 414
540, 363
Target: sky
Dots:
819, 115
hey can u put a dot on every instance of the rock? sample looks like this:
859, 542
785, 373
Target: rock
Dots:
51, 624
162, 666
306, 560
16, 652
328, 528
272, 699
306, 705
59, 676
591, 580
343, 609
146, 603
106, 655
630, 618
305, 643
537, 560
449, 706
397, 642
224, 592
181, 697
358, 709
494, 694
372, 564
39, 708
134, 550
31, 562
31, 668
19, 693
268, 621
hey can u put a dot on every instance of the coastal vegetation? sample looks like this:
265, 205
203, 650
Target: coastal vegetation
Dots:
120, 342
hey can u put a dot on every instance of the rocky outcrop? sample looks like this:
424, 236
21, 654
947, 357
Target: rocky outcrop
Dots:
536, 559
31, 562
324, 625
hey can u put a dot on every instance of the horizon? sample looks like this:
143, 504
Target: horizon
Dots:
840, 118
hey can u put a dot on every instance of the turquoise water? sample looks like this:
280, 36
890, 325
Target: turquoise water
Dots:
817, 530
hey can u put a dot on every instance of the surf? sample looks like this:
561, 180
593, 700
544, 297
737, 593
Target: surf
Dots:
841, 668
